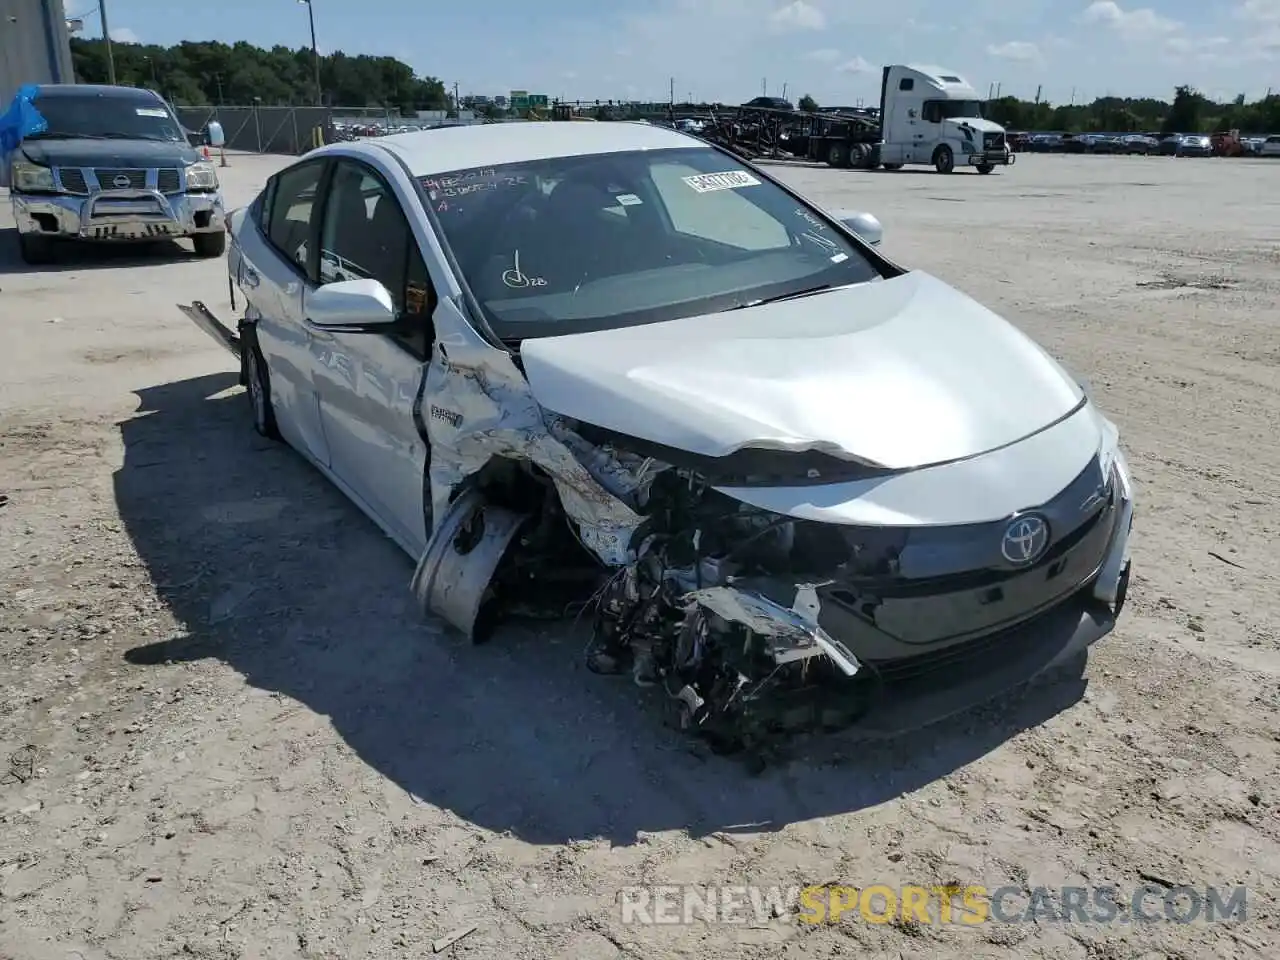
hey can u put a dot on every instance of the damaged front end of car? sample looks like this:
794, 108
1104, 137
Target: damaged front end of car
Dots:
757, 624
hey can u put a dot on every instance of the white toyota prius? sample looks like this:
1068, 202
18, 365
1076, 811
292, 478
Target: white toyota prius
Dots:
796, 483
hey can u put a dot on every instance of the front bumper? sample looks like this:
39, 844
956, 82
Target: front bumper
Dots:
994, 158
969, 660
124, 215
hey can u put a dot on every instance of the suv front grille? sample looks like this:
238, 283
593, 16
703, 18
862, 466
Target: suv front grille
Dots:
116, 179
993, 141
169, 181
72, 180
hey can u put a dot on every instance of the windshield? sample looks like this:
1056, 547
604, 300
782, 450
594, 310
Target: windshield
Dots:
104, 117
584, 243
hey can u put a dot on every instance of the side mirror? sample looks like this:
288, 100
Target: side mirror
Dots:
216, 137
351, 306
863, 224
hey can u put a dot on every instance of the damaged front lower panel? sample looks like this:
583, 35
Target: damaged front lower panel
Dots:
203, 318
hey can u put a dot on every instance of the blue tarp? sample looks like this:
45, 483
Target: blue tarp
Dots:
21, 120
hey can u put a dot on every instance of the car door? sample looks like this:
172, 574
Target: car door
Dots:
367, 384
275, 262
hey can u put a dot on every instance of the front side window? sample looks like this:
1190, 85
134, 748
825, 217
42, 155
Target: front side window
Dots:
936, 111
107, 118
365, 235
293, 196
574, 244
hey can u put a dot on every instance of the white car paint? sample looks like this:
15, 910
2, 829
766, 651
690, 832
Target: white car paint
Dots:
878, 371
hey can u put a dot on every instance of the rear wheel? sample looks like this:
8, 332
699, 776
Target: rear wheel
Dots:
944, 161
838, 155
35, 249
210, 244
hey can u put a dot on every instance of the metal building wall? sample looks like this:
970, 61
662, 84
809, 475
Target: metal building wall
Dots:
35, 46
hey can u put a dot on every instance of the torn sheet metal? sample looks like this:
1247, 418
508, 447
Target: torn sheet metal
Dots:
203, 318
478, 406
793, 634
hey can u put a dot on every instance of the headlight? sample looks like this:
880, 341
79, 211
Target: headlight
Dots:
202, 176
1109, 448
32, 178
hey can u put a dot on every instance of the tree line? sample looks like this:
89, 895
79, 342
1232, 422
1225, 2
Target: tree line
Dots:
1188, 112
210, 73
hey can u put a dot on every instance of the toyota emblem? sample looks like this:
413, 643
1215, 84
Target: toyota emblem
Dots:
1025, 539
121, 181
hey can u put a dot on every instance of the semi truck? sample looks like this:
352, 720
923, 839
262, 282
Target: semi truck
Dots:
928, 116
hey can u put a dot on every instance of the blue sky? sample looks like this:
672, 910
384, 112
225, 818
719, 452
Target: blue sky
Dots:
729, 50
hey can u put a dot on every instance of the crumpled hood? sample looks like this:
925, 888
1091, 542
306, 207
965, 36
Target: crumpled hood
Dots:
976, 123
56, 152
905, 372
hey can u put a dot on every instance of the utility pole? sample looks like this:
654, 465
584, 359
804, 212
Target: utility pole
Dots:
457, 101
1038, 89
106, 40
315, 51
673, 91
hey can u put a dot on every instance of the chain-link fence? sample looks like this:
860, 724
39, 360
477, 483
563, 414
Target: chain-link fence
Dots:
259, 129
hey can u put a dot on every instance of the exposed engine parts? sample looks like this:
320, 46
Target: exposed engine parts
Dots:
719, 607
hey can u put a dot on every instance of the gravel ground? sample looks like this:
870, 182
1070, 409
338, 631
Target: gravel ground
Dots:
229, 736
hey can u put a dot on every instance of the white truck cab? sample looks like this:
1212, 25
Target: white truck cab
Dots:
930, 115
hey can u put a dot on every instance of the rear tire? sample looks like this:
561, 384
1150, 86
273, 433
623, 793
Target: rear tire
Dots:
838, 155
257, 379
944, 161
210, 244
34, 249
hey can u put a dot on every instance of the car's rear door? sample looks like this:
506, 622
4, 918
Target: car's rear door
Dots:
368, 384
275, 261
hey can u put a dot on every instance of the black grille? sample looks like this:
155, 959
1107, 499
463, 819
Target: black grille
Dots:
107, 179
72, 180
169, 181
993, 141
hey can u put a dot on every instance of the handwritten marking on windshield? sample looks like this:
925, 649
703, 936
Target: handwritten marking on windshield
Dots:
516, 280
810, 219
825, 242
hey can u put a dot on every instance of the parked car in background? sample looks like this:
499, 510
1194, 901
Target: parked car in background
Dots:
112, 164
1168, 144
1138, 143
1194, 145
1045, 143
1270, 147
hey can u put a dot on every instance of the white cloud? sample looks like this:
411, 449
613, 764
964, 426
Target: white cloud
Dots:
1259, 11
799, 15
124, 35
1019, 51
856, 65
1135, 24
825, 55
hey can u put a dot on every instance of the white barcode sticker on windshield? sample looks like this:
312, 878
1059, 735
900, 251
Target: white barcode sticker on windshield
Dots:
151, 112
729, 180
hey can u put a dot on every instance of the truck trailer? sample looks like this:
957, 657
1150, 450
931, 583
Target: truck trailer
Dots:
928, 116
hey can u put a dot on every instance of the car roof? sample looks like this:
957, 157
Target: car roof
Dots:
55, 91
426, 152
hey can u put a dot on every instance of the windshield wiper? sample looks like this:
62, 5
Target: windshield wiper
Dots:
794, 295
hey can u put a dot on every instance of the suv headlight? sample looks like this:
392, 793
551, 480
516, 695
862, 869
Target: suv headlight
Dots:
32, 178
202, 176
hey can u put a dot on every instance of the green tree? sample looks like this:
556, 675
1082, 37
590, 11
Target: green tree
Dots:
1185, 112
208, 72
808, 104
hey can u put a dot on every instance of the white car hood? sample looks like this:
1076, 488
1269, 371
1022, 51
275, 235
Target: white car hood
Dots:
905, 373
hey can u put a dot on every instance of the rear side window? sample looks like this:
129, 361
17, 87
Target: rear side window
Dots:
292, 202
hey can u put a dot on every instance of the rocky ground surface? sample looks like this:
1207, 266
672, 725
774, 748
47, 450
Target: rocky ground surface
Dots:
224, 732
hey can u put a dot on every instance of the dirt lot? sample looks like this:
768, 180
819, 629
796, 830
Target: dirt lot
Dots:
228, 736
